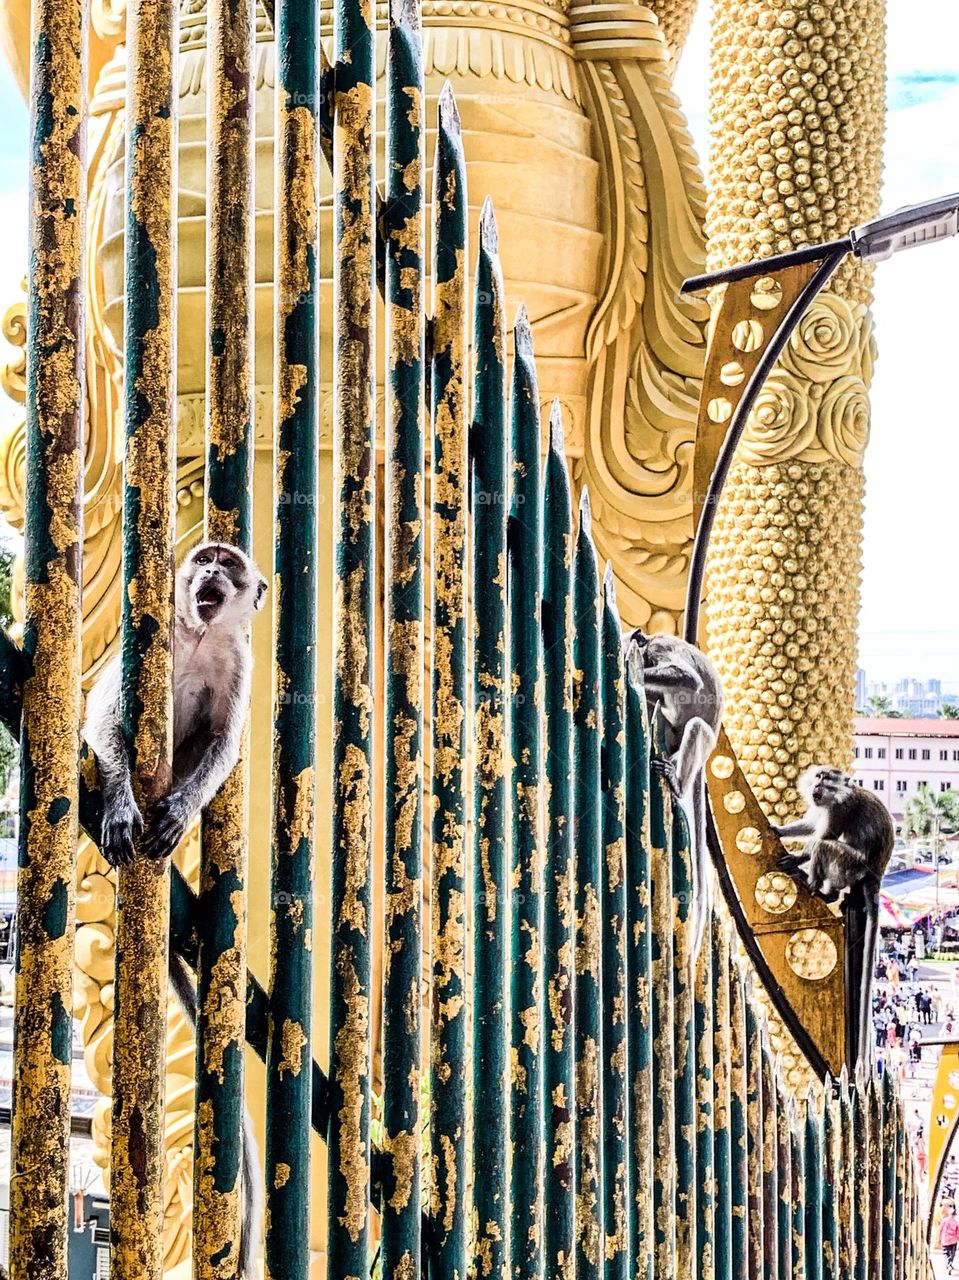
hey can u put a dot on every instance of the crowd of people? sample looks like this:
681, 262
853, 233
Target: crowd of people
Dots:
902, 1006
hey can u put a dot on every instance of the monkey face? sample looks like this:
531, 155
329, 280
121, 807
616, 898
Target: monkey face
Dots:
219, 586
825, 786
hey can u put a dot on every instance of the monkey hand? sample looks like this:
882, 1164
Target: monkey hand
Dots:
666, 768
790, 863
122, 827
167, 823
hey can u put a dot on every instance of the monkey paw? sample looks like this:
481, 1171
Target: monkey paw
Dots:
789, 863
664, 768
167, 822
121, 828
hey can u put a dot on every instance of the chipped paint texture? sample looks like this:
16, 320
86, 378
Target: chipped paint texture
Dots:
490, 870
51, 689
221, 914
661, 966
587, 852
683, 1045
639, 1002
615, 1134
524, 569
401, 1243
353, 488
704, 1207
139, 1057
558, 921
295, 470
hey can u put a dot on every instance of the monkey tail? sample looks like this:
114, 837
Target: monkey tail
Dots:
702, 887
861, 912
870, 940
181, 980
250, 1172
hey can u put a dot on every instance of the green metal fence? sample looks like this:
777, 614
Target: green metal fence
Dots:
601, 1102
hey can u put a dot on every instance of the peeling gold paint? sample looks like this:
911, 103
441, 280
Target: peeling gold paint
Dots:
351, 1047
293, 1041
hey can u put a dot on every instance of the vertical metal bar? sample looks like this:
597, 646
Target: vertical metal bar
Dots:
891, 1137
797, 1169
143, 895
587, 834
639, 1037
524, 577
754, 1141
661, 968
860, 1180
813, 1156
448, 780
830, 1186
910, 1209
874, 1174
770, 1106
354, 480
558, 1059
43, 1032
902, 1156
707, 1032
295, 463
490, 1016
784, 1182
403, 749
221, 908
847, 1158
684, 1059
723, 1063
614, 940
737, 1142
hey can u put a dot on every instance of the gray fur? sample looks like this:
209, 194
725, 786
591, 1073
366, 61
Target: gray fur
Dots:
848, 831
218, 588
682, 682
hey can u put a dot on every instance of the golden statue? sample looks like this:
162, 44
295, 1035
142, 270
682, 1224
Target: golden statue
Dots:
571, 126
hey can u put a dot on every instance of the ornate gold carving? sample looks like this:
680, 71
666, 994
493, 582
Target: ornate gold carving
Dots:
675, 18
645, 345
815, 404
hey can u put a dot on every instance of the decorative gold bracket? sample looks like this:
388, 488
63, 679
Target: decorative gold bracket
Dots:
796, 942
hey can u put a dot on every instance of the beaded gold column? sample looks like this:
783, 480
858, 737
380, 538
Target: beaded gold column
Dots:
675, 18
797, 123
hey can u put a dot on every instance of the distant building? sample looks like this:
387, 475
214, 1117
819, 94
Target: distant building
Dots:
894, 758
861, 694
919, 699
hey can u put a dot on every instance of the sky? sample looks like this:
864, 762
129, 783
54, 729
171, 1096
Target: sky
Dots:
910, 605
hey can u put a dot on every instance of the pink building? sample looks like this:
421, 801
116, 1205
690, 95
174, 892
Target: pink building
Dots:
895, 758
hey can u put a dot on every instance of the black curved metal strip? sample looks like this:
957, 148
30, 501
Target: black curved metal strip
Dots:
717, 481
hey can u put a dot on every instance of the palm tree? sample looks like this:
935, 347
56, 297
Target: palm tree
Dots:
880, 705
926, 812
949, 711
